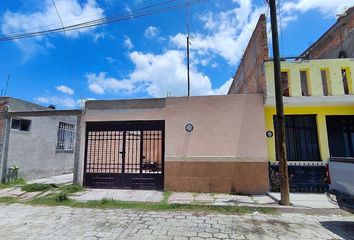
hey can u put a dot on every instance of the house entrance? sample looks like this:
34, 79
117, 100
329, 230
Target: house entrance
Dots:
124, 155
340, 131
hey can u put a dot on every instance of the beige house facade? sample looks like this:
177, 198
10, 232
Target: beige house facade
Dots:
195, 144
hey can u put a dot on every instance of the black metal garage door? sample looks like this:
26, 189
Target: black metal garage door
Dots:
124, 155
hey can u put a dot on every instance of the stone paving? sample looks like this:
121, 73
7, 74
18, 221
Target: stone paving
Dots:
19, 221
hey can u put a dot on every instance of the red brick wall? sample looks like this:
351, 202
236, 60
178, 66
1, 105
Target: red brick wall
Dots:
338, 38
250, 76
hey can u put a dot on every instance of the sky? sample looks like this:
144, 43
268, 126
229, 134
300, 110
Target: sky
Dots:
143, 57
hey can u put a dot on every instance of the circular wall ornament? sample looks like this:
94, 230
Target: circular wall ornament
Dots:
269, 134
189, 127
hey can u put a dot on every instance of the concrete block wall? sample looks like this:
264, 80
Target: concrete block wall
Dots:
250, 76
34, 151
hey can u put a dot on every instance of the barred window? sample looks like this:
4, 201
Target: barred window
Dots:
66, 136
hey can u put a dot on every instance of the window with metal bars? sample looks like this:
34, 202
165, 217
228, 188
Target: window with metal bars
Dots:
301, 138
66, 136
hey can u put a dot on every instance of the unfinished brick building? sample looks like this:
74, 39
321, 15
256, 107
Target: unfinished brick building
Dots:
337, 42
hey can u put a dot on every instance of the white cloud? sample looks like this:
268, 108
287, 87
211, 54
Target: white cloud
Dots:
65, 89
62, 101
223, 89
128, 43
110, 59
98, 36
329, 8
151, 32
157, 75
225, 34
71, 12
100, 84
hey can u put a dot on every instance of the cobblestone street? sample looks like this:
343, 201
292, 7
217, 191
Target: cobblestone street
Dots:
19, 221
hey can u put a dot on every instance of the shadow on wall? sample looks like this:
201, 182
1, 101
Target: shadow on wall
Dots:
344, 229
186, 143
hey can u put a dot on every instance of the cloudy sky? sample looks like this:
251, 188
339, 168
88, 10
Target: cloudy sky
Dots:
144, 57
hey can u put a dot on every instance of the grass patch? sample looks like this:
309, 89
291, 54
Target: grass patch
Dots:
71, 188
37, 187
8, 200
165, 196
16, 182
107, 203
61, 197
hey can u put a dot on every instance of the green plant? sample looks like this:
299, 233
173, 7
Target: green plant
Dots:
11, 175
71, 188
8, 200
106, 201
37, 187
61, 197
16, 182
166, 195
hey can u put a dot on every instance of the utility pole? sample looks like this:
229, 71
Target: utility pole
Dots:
280, 121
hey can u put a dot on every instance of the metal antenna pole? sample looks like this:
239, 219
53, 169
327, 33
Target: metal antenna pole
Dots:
188, 75
7, 83
187, 28
280, 121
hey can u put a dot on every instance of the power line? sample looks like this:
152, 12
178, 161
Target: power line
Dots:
56, 9
146, 11
88, 16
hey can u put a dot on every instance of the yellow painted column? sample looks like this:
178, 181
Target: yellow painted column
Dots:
269, 112
295, 85
322, 137
335, 75
315, 82
350, 80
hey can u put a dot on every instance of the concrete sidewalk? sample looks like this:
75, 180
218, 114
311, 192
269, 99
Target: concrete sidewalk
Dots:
118, 194
59, 179
222, 199
299, 201
306, 200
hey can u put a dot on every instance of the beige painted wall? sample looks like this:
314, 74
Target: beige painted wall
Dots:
227, 128
230, 128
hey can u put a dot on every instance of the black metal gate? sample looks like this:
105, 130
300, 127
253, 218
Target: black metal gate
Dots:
125, 155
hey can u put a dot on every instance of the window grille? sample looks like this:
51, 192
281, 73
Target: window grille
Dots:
66, 136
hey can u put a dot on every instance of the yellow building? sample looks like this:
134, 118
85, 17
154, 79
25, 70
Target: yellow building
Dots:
318, 89
318, 108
